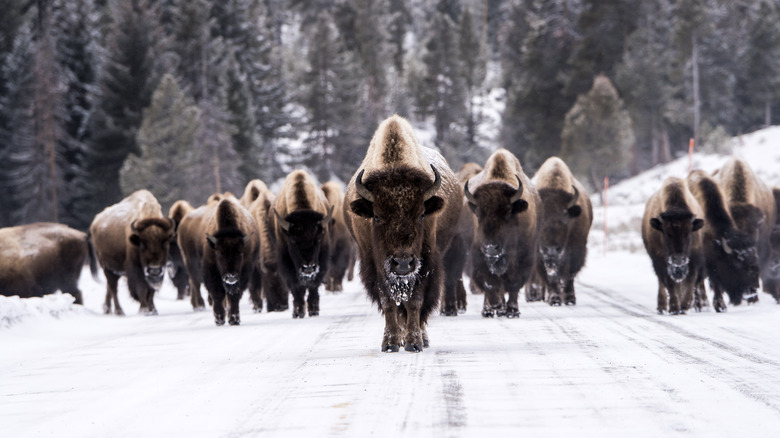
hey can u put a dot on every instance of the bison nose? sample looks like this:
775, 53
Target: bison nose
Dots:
153, 271
678, 260
403, 265
230, 278
309, 268
491, 250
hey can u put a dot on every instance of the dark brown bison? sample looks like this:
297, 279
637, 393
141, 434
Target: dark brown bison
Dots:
274, 290
342, 246
176, 269
302, 219
41, 258
221, 245
563, 233
132, 238
670, 232
457, 256
509, 213
402, 208
770, 271
730, 254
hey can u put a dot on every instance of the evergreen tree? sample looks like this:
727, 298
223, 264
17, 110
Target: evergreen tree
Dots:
597, 136
474, 61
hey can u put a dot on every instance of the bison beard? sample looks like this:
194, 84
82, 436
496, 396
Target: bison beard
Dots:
400, 287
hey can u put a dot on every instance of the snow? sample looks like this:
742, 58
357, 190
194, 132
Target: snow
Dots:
608, 367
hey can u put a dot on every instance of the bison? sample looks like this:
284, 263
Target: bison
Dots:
730, 254
402, 207
176, 269
457, 256
302, 220
221, 245
670, 228
133, 238
770, 272
252, 191
342, 247
273, 288
41, 258
509, 213
563, 232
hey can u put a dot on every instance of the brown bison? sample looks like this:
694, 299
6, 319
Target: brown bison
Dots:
133, 238
563, 233
457, 255
770, 272
342, 247
273, 288
176, 269
41, 258
730, 254
402, 208
221, 246
302, 219
252, 191
509, 214
670, 228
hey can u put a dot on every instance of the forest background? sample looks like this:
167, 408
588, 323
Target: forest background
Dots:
99, 98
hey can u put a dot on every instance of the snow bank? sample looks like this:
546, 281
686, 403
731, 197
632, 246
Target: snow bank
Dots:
14, 310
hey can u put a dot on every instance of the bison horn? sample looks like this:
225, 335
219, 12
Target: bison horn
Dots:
361, 189
468, 194
519, 193
574, 199
726, 246
132, 225
435, 187
326, 219
282, 223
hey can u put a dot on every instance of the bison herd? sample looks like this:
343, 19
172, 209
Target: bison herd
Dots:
416, 227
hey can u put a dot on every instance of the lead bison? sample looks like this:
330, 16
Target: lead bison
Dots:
457, 256
730, 254
563, 236
176, 269
670, 228
221, 246
509, 214
302, 219
41, 258
132, 238
342, 247
402, 207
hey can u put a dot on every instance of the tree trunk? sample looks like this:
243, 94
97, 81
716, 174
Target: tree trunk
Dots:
696, 94
767, 114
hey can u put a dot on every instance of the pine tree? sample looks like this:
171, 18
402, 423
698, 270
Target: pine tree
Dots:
597, 136
474, 61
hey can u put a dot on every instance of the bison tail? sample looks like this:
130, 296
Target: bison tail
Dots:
93, 263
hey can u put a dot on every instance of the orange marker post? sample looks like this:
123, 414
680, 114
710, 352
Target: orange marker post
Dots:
690, 156
604, 196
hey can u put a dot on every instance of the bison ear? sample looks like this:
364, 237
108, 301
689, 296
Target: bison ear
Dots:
697, 224
135, 239
211, 240
656, 223
433, 204
362, 207
519, 206
574, 211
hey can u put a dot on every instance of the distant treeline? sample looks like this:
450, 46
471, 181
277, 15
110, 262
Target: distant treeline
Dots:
190, 97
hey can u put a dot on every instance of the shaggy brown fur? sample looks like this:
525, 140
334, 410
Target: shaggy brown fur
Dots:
670, 233
563, 239
302, 222
506, 240
274, 290
176, 269
402, 223
342, 246
41, 258
770, 277
132, 238
252, 191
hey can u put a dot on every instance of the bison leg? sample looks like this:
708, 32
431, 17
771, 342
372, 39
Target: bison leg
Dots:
112, 280
512, 307
196, 299
276, 295
299, 293
663, 302
568, 293
700, 297
674, 299
181, 280
313, 301
255, 290
717, 298
216, 295
234, 318
413, 338
534, 292
391, 341
461, 297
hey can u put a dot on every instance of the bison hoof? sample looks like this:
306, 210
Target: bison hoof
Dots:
150, 312
219, 321
571, 301
119, 312
314, 313
414, 348
462, 309
488, 314
513, 313
234, 320
555, 301
391, 348
720, 308
449, 312
257, 309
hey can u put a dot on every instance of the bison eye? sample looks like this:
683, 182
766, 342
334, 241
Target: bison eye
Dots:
422, 216
377, 219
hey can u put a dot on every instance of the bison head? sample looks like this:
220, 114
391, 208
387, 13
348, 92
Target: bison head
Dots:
152, 238
397, 202
228, 246
677, 228
736, 261
774, 254
496, 205
304, 231
560, 214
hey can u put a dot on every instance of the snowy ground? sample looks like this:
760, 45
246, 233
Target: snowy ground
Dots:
608, 367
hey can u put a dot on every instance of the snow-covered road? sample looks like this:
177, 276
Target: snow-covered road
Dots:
609, 367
